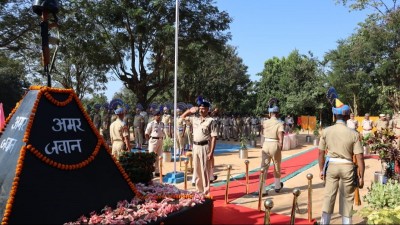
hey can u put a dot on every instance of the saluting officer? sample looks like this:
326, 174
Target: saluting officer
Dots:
204, 141
154, 135
341, 143
272, 147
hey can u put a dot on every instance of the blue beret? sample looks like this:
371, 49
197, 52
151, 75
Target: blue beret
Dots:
119, 111
204, 104
156, 112
274, 109
343, 110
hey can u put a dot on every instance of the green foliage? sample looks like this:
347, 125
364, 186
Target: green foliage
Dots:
141, 33
296, 81
12, 82
139, 166
168, 143
383, 203
243, 142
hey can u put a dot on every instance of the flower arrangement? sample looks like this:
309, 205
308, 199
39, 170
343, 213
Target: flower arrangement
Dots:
159, 201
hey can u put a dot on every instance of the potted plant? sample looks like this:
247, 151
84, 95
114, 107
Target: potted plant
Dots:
166, 147
252, 140
243, 154
384, 144
383, 203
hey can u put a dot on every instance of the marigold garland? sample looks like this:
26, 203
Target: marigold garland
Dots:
14, 186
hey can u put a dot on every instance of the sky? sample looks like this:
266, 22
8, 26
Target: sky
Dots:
263, 29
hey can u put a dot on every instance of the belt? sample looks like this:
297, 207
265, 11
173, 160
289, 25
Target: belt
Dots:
200, 143
339, 160
155, 137
367, 129
270, 140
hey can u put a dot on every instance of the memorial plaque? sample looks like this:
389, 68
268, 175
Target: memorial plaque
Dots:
54, 165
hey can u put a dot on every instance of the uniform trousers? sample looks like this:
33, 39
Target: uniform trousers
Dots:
117, 148
343, 173
201, 167
138, 137
180, 141
155, 145
270, 152
189, 135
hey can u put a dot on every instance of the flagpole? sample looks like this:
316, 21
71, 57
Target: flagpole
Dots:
176, 75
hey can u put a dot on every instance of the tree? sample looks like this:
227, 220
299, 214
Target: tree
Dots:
12, 82
219, 76
296, 81
141, 36
367, 63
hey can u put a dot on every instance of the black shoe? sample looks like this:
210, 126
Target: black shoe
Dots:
263, 195
157, 174
215, 177
278, 190
193, 184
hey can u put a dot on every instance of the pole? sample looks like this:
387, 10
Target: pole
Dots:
296, 193
309, 177
269, 204
228, 175
247, 176
176, 74
260, 189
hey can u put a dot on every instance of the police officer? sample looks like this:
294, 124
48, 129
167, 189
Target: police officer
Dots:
180, 131
119, 134
167, 120
382, 123
396, 127
341, 143
204, 141
96, 117
138, 127
272, 147
352, 123
367, 125
154, 135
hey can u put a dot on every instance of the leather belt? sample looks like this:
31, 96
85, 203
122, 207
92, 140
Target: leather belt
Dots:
155, 137
200, 143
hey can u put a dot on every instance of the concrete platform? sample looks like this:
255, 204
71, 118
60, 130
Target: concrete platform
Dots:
283, 200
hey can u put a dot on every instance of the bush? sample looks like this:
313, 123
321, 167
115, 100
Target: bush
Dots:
139, 166
383, 203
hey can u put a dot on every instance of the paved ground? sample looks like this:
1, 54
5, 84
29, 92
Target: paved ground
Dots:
283, 200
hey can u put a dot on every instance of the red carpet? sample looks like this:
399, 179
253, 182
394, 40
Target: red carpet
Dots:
236, 214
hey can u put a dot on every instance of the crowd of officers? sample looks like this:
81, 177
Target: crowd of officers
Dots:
385, 122
229, 127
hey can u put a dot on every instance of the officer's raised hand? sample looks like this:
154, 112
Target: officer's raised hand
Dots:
194, 109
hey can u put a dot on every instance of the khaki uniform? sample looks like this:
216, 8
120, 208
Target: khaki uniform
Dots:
226, 126
105, 127
270, 149
342, 143
156, 132
118, 131
352, 124
203, 130
180, 134
168, 124
367, 127
396, 129
381, 125
189, 133
138, 126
